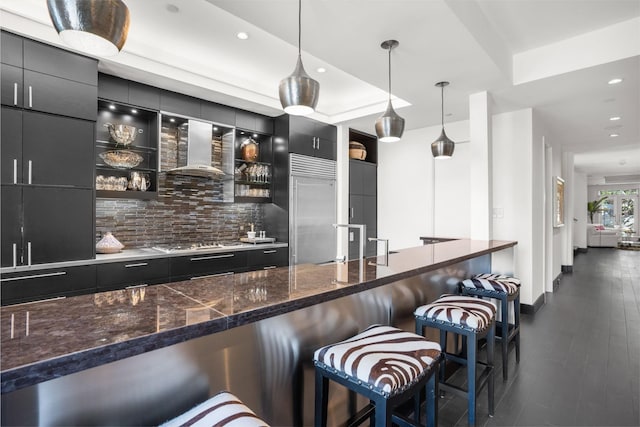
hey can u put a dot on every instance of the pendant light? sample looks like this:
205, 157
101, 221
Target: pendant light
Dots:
389, 126
299, 92
442, 148
96, 27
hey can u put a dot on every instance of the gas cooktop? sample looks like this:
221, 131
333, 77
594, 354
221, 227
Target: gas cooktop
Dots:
169, 249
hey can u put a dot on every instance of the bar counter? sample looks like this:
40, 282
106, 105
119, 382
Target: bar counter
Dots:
46, 340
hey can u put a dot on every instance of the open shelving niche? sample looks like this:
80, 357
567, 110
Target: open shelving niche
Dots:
253, 188
145, 145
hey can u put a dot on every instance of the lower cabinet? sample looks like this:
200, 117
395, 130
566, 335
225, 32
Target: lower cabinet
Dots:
43, 284
194, 266
265, 259
119, 275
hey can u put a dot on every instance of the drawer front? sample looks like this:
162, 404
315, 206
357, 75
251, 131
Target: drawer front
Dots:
187, 267
50, 283
273, 257
119, 275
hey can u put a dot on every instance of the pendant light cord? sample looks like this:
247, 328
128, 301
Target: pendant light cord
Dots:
299, 28
390, 73
442, 105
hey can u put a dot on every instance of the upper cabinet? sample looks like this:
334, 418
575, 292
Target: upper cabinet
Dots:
307, 136
126, 151
43, 78
246, 120
253, 167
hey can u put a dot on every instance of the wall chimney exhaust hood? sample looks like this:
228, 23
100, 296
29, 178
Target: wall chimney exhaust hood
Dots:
199, 149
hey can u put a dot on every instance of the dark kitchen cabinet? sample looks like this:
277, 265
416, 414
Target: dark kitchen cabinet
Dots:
58, 224
312, 138
363, 204
52, 61
46, 149
247, 120
179, 104
11, 89
128, 92
46, 224
264, 259
49, 283
193, 266
11, 51
119, 275
217, 113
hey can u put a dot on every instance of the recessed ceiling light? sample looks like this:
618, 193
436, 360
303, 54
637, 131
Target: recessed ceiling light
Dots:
321, 70
134, 111
242, 35
215, 128
255, 135
614, 118
173, 8
112, 107
172, 120
614, 135
615, 81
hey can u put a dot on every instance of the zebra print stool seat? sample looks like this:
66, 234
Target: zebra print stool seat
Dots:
222, 410
506, 289
388, 366
474, 319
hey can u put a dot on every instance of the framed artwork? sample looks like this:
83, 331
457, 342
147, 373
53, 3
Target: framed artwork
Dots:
558, 201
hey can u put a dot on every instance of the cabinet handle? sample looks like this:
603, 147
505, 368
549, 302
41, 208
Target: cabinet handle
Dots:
15, 171
318, 142
34, 276
30, 97
15, 94
26, 328
271, 267
270, 252
13, 322
351, 213
314, 142
15, 255
30, 171
29, 254
203, 258
137, 286
228, 273
138, 264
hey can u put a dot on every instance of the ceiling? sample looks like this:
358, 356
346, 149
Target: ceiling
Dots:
191, 46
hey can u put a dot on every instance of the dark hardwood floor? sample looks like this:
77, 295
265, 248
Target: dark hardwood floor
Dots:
580, 362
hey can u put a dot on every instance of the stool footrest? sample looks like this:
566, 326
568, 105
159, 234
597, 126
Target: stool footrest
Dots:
481, 382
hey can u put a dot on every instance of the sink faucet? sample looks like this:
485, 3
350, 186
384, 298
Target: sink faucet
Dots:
363, 231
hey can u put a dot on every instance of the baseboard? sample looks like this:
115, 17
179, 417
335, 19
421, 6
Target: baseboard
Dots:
566, 268
582, 250
533, 309
556, 282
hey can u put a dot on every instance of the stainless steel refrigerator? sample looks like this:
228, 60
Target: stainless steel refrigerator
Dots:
312, 213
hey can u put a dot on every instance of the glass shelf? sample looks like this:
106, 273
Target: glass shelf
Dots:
265, 184
109, 145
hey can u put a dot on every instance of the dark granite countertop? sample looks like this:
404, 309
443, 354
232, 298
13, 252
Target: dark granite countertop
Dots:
49, 339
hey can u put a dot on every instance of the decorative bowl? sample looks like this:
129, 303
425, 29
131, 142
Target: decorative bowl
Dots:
108, 244
357, 150
121, 159
122, 134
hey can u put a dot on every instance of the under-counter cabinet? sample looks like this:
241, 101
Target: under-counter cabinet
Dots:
202, 265
268, 258
48, 283
120, 275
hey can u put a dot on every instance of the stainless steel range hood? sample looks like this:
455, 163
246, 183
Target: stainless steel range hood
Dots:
198, 152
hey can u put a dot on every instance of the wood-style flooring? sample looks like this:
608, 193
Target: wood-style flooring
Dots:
580, 363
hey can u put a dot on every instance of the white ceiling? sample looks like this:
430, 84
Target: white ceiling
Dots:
470, 43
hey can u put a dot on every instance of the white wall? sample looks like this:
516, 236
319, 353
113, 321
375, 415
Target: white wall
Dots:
580, 210
408, 205
516, 159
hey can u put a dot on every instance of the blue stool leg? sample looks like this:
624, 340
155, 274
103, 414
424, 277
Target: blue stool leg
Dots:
322, 399
472, 345
431, 402
516, 315
382, 414
443, 346
505, 336
491, 342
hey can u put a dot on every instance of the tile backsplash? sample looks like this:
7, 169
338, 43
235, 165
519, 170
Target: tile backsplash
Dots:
187, 210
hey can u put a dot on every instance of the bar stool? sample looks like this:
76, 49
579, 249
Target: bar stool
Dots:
388, 366
474, 319
223, 409
505, 289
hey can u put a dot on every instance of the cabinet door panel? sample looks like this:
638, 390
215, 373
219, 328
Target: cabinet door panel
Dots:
113, 88
245, 120
325, 149
49, 283
272, 257
144, 96
198, 265
11, 221
61, 63
119, 275
60, 149
11, 146
302, 144
218, 113
179, 104
11, 49
369, 179
264, 125
59, 224
325, 131
11, 90
60, 96
356, 173
302, 125
356, 206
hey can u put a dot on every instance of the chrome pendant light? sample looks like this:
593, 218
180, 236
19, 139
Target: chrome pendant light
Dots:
389, 126
299, 92
97, 27
442, 148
